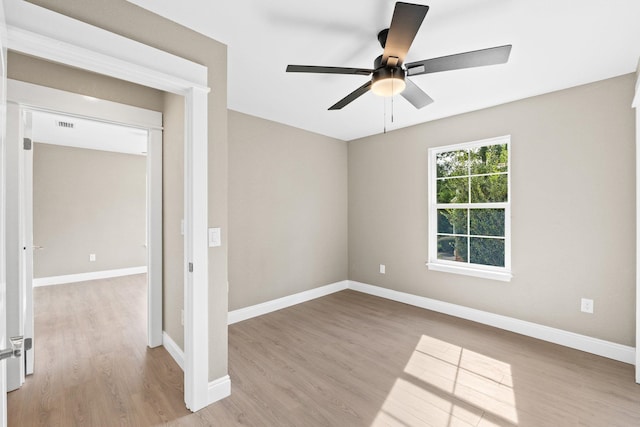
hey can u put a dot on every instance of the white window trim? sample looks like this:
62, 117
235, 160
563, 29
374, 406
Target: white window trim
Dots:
468, 269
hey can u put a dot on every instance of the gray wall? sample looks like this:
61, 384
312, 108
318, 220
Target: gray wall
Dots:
573, 209
129, 20
87, 201
287, 210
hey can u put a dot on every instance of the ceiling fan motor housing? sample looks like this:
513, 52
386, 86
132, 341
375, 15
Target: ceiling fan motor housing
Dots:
396, 73
386, 80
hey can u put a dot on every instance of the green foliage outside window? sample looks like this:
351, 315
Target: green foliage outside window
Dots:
466, 177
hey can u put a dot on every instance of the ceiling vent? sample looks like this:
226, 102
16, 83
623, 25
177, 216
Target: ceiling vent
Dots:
66, 125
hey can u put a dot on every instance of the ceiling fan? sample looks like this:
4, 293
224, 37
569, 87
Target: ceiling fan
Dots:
390, 73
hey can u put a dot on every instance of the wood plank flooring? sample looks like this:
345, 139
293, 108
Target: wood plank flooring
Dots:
92, 365
347, 359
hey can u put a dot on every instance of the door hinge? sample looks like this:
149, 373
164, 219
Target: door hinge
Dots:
26, 143
190, 267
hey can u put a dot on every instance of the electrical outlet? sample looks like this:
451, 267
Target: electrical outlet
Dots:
586, 305
383, 269
92, 257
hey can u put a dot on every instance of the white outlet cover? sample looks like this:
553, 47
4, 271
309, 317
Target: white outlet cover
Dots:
383, 269
92, 257
586, 305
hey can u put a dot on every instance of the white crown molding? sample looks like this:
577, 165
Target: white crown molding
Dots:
83, 277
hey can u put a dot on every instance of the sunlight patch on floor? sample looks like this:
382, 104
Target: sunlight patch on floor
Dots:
447, 385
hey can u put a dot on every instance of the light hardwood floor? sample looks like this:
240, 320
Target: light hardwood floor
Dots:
347, 359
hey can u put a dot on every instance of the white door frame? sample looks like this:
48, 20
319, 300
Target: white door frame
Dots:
25, 97
636, 105
26, 237
3, 305
14, 292
40, 32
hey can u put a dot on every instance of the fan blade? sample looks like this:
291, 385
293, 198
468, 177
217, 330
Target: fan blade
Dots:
328, 70
476, 58
352, 96
405, 24
416, 96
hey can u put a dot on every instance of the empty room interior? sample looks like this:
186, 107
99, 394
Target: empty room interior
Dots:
369, 213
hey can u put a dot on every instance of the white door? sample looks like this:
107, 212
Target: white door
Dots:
3, 284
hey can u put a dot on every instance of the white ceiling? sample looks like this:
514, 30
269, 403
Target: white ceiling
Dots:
88, 134
556, 44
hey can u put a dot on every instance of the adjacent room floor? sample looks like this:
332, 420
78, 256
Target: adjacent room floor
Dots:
347, 359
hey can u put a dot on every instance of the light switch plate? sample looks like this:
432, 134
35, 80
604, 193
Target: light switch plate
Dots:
215, 238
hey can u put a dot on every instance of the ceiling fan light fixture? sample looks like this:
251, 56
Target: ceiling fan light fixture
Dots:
388, 87
388, 81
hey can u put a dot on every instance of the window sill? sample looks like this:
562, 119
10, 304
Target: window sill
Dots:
504, 276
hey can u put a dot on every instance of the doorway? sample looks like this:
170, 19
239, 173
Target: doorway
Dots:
39, 32
45, 104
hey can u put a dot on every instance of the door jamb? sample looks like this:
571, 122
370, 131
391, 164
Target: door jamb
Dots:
3, 282
636, 105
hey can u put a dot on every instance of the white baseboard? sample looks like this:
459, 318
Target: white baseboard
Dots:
219, 389
596, 346
173, 349
83, 277
216, 390
611, 350
284, 302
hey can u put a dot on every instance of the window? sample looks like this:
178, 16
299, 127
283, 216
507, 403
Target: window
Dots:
470, 209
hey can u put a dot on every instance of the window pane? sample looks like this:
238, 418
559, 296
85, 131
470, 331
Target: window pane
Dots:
487, 222
489, 189
452, 221
487, 251
452, 248
453, 190
489, 159
452, 163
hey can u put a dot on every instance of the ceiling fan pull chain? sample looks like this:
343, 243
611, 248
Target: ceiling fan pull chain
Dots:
384, 117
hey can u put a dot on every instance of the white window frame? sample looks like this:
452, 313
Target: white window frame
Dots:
469, 269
